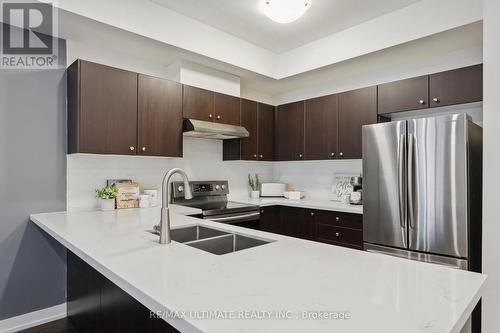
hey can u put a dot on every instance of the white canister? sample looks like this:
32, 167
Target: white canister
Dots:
144, 201
254, 194
107, 204
153, 197
355, 197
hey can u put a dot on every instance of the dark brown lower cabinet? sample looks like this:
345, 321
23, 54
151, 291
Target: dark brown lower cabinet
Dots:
83, 295
269, 219
294, 222
342, 229
339, 229
97, 305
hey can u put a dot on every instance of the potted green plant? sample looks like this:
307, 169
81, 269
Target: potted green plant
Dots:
107, 197
254, 184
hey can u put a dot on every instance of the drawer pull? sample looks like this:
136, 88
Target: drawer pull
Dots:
337, 234
337, 219
312, 213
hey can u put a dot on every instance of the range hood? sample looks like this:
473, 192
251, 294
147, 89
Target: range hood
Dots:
209, 130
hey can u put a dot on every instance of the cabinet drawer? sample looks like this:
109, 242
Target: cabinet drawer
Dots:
330, 234
353, 221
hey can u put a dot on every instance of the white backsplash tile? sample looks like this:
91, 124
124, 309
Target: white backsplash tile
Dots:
316, 178
202, 161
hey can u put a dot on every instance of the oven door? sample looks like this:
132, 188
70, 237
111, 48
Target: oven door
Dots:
249, 219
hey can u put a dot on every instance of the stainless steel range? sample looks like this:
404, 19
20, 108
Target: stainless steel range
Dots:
211, 198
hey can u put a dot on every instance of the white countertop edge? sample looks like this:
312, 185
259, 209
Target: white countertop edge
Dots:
326, 205
148, 302
468, 311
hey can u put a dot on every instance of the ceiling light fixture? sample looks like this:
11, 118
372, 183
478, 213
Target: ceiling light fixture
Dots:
285, 11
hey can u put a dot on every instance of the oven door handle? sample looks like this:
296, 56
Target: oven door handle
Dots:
234, 218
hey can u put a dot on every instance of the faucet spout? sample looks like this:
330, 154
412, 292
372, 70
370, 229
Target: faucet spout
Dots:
164, 228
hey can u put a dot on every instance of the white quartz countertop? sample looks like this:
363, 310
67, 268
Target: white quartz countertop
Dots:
303, 203
289, 278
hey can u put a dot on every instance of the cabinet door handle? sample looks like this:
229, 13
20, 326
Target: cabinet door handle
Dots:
337, 219
262, 211
422, 102
254, 155
143, 148
210, 116
337, 234
300, 155
436, 100
341, 154
218, 117
261, 156
312, 213
332, 155
131, 148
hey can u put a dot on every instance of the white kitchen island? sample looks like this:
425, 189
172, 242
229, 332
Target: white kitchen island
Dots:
290, 278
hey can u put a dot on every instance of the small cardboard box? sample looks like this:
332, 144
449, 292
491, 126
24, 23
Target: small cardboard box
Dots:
128, 194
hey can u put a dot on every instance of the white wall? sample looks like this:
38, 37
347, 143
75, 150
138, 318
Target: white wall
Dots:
316, 178
422, 19
158, 23
196, 75
457, 48
78, 50
491, 208
202, 161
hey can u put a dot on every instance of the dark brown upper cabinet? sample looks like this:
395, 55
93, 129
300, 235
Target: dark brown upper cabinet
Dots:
266, 132
463, 85
290, 132
102, 109
356, 109
404, 95
226, 109
249, 120
258, 119
321, 128
159, 117
198, 104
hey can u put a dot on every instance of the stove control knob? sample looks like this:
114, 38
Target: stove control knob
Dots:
180, 188
217, 187
223, 187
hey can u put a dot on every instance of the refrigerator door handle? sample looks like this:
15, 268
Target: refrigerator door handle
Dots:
411, 180
401, 180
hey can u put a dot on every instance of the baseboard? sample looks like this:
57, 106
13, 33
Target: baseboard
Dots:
33, 319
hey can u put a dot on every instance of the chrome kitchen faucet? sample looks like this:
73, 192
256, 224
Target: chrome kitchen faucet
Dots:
164, 227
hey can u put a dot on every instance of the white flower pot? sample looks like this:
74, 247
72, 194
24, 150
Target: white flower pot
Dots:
107, 204
254, 194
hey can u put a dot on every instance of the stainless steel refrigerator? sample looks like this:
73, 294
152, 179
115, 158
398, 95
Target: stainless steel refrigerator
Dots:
422, 190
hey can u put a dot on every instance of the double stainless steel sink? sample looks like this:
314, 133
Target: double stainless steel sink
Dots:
215, 241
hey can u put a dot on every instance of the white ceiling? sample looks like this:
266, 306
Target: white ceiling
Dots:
244, 19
